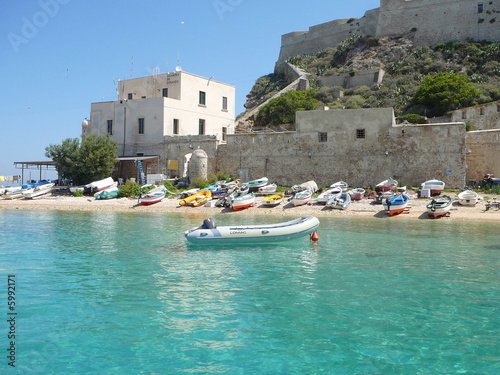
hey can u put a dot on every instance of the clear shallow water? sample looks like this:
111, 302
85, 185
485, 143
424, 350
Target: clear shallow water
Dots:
119, 293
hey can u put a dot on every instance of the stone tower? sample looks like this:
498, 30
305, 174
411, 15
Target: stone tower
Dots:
198, 165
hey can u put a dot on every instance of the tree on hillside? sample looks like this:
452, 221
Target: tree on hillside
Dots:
91, 159
281, 110
445, 91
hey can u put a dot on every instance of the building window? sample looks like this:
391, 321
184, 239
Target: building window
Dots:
479, 8
224, 103
141, 126
224, 133
176, 126
165, 92
129, 96
360, 133
110, 127
201, 127
498, 107
464, 115
202, 100
481, 111
322, 137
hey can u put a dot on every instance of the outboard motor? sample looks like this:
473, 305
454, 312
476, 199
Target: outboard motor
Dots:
208, 224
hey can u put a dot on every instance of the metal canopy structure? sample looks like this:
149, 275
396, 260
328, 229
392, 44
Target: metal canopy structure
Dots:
134, 158
47, 165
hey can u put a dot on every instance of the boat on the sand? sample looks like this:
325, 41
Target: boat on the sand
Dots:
154, 196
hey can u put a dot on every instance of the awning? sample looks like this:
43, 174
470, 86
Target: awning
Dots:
134, 158
36, 164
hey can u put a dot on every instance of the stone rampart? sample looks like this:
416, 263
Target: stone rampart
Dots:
362, 147
480, 146
353, 79
484, 116
426, 22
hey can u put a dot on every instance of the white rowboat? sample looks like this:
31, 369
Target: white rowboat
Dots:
468, 198
39, 191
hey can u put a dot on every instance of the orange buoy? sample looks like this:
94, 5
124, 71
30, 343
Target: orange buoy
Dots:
314, 236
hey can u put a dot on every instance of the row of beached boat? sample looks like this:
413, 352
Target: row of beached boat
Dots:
437, 207
28, 191
239, 195
107, 188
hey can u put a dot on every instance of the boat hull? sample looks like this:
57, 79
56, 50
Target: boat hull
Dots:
271, 188
256, 184
357, 194
301, 198
39, 191
435, 187
396, 205
146, 201
109, 193
273, 200
439, 207
387, 185
439, 212
324, 197
154, 196
99, 185
254, 233
243, 201
468, 198
395, 209
198, 199
340, 201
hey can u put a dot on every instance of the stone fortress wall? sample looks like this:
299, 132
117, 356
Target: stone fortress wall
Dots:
426, 22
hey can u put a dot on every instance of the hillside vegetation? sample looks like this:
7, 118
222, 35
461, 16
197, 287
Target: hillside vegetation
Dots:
469, 72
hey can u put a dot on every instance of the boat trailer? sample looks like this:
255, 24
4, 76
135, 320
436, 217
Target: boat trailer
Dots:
494, 204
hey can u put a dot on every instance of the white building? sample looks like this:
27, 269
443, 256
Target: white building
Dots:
166, 116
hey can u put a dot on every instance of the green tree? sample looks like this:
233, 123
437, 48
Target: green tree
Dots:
445, 91
65, 157
91, 159
281, 110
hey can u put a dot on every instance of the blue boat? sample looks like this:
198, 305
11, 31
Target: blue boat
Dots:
396, 204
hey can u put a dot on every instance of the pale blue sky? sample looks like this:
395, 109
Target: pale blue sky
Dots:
59, 56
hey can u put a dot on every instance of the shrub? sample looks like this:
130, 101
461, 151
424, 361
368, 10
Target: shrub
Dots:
171, 188
130, 189
413, 118
78, 193
281, 110
445, 91
201, 183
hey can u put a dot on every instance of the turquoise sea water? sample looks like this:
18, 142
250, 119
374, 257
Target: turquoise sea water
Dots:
120, 293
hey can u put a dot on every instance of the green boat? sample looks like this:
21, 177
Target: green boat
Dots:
108, 193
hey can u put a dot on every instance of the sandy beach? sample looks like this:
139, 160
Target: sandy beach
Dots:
63, 200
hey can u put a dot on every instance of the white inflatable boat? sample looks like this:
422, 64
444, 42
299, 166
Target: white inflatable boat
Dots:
210, 233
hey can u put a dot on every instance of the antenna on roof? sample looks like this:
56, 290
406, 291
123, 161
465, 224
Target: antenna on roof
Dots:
132, 68
116, 87
178, 67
